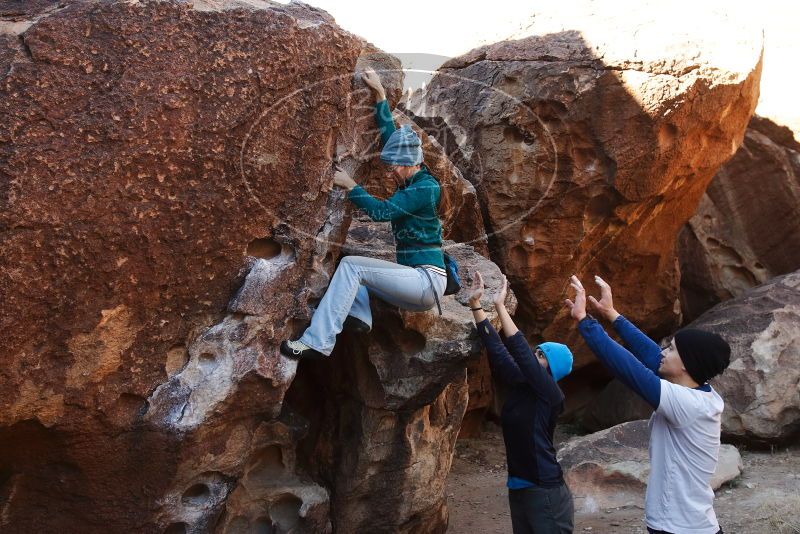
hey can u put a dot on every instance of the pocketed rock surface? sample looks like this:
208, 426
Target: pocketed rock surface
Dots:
590, 148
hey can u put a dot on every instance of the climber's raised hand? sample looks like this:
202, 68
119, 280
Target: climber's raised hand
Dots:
476, 290
577, 309
500, 297
342, 179
372, 81
604, 306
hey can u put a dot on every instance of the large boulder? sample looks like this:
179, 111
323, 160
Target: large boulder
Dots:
609, 469
160, 235
155, 157
747, 226
590, 140
761, 387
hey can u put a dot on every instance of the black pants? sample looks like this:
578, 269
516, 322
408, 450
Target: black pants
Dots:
541, 510
651, 531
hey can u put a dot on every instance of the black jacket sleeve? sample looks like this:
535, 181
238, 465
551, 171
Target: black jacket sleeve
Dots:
503, 365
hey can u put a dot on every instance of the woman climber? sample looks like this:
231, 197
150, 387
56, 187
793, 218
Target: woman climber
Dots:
417, 281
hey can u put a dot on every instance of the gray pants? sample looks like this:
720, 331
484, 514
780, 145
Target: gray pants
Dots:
354, 281
541, 510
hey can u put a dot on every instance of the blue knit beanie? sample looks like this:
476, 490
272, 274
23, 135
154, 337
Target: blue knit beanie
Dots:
559, 357
403, 148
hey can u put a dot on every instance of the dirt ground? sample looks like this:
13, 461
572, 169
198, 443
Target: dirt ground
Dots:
765, 499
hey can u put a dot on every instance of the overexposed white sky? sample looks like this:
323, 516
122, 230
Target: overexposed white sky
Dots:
442, 27
424, 33
453, 27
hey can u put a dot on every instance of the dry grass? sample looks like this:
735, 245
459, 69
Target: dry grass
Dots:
783, 516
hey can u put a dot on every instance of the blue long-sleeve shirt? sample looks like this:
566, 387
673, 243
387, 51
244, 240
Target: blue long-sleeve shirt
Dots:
637, 368
530, 412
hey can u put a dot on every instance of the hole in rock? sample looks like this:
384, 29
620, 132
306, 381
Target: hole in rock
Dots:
207, 362
285, 512
263, 526
176, 528
411, 342
516, 136
264, 248
196, 495
666, 136
549, 111
518, 255
599, 208
584, 157
268, 465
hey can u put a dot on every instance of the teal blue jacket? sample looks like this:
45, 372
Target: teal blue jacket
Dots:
412, 209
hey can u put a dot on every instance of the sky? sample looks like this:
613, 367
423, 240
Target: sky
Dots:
440, 27
424, 33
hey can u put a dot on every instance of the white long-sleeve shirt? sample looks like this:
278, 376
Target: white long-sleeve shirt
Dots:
684, 449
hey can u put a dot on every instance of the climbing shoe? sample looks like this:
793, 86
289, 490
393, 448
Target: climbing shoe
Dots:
356, 325
297, 350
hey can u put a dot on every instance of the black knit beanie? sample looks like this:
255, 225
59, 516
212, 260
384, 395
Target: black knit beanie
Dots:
704, 354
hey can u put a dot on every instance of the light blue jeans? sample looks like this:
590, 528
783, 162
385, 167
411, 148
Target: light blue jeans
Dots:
354, 281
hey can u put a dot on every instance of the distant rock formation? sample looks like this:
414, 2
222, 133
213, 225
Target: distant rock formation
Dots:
747, 226
761, 387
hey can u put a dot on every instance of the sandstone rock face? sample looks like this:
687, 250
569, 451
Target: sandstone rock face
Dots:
587, 160
747, 226
166, 218
761, 387
395, 398
610, 468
